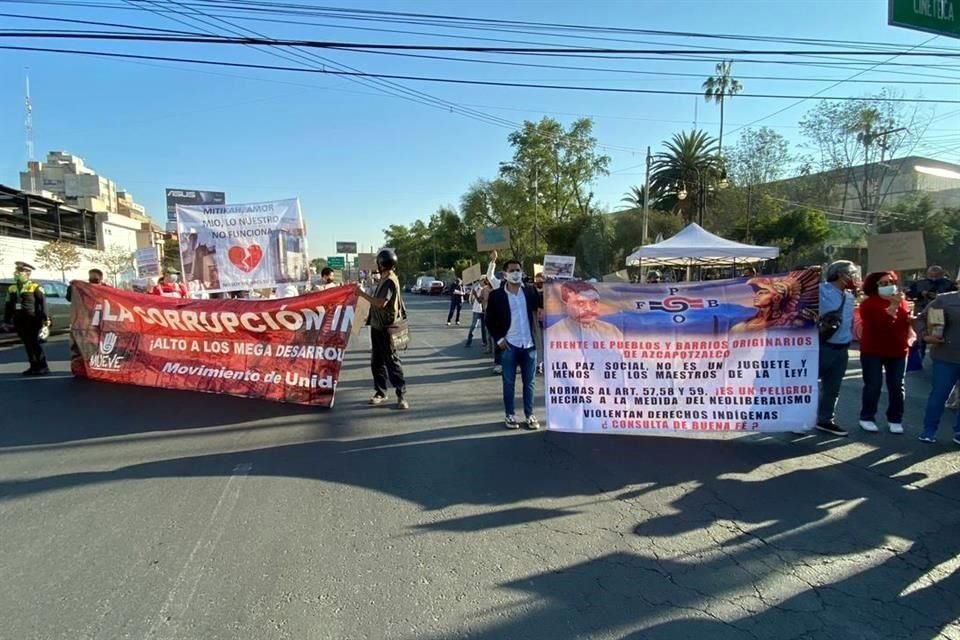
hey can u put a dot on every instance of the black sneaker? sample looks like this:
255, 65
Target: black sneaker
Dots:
832, 428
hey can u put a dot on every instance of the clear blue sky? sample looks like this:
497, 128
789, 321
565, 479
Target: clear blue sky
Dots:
360, 160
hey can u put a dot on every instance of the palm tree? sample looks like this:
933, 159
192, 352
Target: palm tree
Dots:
718, 87
634, 198
689, 161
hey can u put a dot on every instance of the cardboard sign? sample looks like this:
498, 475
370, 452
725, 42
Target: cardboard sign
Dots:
471, 273
367, 262
492, 238
897, 251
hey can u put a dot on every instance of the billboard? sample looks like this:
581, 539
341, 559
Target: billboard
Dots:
190, 197
243, 246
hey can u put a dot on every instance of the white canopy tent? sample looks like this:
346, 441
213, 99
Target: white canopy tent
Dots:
694, 245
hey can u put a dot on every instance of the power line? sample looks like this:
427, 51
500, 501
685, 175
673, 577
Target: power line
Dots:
551, 51
489, 83
818, 93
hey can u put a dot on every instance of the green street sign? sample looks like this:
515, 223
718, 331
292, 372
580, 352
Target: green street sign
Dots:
933, 16
335, 262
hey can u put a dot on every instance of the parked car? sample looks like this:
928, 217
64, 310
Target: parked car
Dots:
58, 309
436, 288
422, 285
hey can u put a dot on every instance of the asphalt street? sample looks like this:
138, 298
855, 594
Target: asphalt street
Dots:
129, 512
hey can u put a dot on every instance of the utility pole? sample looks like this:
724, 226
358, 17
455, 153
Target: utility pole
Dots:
536, 205
872, 205
646, 200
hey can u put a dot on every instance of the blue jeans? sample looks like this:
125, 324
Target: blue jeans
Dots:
477, 319
511, 358
945, 375
873, 369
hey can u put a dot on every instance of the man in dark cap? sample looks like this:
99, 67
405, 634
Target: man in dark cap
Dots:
26, 310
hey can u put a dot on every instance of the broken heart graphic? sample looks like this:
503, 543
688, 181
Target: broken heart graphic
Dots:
245, 258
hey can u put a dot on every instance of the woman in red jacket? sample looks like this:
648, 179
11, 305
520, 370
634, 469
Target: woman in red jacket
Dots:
883, 348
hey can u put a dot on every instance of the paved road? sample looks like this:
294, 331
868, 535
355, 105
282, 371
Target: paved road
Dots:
140, 513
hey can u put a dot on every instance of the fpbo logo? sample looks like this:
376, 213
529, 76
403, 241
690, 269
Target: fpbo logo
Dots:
677, 305
105, 359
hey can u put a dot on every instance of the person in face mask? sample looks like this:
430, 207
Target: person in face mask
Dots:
26, 310
511, 319
836, 297
884, 343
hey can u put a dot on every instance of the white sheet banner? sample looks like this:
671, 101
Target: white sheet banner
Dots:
729, 356
243, 246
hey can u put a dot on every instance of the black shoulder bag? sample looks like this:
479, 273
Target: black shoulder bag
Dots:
830, 322
399, 331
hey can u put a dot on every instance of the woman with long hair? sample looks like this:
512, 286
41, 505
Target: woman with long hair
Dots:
884, 344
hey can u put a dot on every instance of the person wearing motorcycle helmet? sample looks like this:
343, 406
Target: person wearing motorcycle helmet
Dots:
386, 309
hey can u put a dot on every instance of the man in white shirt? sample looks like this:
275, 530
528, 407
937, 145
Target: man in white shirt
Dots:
511, 317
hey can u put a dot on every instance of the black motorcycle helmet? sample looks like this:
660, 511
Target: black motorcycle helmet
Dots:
386, 259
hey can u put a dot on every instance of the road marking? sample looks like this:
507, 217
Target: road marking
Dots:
184, 588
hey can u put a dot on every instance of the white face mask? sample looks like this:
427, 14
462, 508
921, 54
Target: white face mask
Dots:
515, 277
888, 290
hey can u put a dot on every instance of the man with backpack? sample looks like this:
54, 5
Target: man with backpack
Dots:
387, 314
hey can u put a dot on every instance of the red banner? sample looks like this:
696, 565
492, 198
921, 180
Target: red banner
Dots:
288, 350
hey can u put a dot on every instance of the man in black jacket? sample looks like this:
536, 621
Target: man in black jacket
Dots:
511, 317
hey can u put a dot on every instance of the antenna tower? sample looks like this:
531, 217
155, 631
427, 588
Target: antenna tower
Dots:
28, 122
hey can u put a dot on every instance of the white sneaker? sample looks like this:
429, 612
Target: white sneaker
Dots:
895, 427
532, 423
869, 425
497, 369
510, 422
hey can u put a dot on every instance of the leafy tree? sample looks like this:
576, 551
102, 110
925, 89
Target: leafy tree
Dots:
499, 203
720, 87
318, 264
549, 177
635, 197
852, 140
759, 157
60, 256
689, 163
590, 238
171, 254
115, 260
628, 231
799, 232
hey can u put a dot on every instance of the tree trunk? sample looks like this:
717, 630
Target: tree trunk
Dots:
720, 145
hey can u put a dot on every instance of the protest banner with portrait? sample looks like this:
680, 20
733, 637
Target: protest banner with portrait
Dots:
287, 350
728, 356
243, 246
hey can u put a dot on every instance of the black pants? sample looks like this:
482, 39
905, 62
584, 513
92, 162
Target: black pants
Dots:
456, 304
873, 375
384, 362
28, 330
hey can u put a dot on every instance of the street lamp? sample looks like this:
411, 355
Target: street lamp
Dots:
681, 187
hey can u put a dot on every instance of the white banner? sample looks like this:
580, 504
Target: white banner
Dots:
731, 356
243, 246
